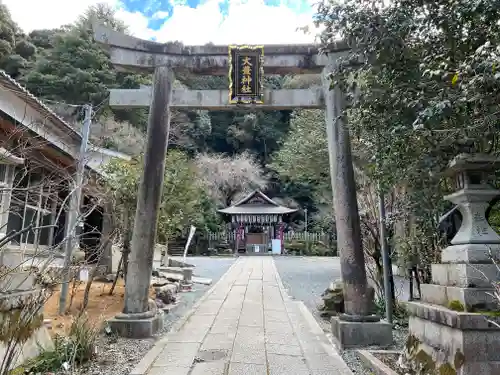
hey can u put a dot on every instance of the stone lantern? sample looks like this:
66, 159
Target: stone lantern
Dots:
451, 327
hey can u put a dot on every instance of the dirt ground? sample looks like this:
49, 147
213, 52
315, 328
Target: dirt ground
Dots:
101, 305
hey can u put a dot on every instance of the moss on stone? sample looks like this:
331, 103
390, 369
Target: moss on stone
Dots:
425, 361
419, 360
459, 360
495, 314
447, 369
456, 305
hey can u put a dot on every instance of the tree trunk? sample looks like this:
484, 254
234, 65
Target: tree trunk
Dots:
126, 244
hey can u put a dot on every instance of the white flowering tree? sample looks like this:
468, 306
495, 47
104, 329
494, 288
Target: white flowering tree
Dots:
227, 176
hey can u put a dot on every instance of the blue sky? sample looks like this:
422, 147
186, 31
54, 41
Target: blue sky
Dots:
159, 11
189, 21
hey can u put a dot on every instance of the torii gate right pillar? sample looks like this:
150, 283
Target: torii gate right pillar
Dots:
357, 326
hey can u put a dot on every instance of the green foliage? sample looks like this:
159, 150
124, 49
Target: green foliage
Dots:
72, 68
310, 248
25, 49
399, 312
426, 88
75, 349
303, 155
75, 71
44, 39
184, 201
302, 164
15, 51
424, 75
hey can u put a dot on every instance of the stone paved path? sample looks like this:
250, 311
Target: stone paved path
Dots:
246, 324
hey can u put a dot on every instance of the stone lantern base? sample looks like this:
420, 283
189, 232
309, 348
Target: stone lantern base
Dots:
454, 328
461, 343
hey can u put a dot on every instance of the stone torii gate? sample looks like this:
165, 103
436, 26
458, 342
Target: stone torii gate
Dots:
357, 326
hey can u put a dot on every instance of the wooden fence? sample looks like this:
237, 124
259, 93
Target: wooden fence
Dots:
288, 236
221, 236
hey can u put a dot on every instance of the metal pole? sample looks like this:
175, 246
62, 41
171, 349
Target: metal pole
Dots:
305, 211
385, 256
74, 209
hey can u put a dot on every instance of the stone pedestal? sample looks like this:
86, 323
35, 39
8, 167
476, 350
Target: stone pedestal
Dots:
350, 334
137, 325
451, 329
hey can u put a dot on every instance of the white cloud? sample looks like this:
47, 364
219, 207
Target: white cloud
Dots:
47, 14
137, 23
247, 21
160, 14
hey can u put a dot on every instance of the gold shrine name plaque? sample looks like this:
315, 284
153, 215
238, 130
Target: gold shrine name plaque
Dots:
246, 74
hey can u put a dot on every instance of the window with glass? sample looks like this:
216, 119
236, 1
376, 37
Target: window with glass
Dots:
33, 204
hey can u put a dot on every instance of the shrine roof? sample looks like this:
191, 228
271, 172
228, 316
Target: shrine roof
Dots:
257, 203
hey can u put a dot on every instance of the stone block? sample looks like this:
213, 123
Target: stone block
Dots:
177, 263
464, 275
475, 345
470, 253
481, 368
209, 307
166, 293
454, 319
219, 341
375, 365
283, 349
14, 257
177, 355
137, 328
275, 316
285, 364
15, 300
208, 368
170, 370
249, 353
360, 334
236, 368
473, 299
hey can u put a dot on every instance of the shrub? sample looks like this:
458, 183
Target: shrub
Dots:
311, 248
75, 349
399, 314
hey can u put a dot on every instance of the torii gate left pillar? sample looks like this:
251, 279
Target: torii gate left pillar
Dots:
138, 318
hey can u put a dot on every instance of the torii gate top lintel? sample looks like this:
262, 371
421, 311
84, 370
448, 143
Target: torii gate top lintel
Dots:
131, 53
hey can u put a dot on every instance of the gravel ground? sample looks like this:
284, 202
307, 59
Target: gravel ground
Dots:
305, 278
118, 356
